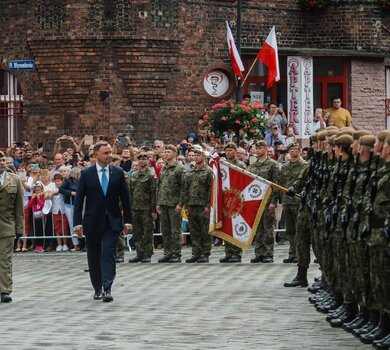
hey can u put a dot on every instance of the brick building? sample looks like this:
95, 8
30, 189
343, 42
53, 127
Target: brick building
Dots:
108, 66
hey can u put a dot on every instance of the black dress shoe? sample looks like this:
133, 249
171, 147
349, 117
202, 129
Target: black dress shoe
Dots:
225, 259
174, 259
257, 259
268, 259
98, 295
5, 298
107, 297
119, 259
146, 259
203, 259
289, 260
136, 259
193, 259
164, 259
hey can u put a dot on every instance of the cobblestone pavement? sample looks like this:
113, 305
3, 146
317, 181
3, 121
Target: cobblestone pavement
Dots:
164, 306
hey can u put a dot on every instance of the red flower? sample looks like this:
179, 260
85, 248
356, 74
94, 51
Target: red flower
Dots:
251, 131
232, 111
212, 111
223, 118
254, 120
205, 117
238, 122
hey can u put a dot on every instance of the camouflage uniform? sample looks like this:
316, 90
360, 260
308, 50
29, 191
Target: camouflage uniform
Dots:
142, 189
289, 174
230, 249
169, 195
196, 198
269, 170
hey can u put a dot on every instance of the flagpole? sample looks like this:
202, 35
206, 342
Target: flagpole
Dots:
249, 71
238, 87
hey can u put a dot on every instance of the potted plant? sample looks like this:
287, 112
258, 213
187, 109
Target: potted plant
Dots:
228, 116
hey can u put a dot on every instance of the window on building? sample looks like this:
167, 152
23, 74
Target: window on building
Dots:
11, 109
387, 97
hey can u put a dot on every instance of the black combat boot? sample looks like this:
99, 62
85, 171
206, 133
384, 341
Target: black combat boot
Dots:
383, 343
379, 332
300, 279
350, 314
369, 326
360, 320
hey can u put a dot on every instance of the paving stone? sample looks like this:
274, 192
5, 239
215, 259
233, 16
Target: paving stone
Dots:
164, 306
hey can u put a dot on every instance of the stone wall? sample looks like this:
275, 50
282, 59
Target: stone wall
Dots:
103, 65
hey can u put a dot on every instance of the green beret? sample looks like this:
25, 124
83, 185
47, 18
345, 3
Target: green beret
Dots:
367, 140
142, 154
171, 147
344, 139
359, 133
321, 135
294, 144
231, 145
198, 149
382, 135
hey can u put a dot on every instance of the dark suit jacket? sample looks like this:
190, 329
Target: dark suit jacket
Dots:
99, 208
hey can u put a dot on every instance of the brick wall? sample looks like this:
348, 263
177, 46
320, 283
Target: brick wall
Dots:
368, 94
101, 68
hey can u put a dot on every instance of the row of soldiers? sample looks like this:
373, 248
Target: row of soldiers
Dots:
175, 189
344, 214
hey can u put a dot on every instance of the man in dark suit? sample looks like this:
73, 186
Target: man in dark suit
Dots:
100, 190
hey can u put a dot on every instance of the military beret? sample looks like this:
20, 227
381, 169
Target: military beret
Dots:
331, 140
321, 136
171, 147
293, 144
367, 140
261, 143
330, 132
231, 145
359, 133
142, 154
198, 149
314, 137
382, 135
345, 139
332, 128
346, 131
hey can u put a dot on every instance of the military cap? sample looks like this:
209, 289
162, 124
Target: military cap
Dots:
198, 149
345, 139
231, 145
261, 143
367, 140
359, 133
142, 154
382, 135
346, 131
171, 147
293, 144
331, 140
321, 135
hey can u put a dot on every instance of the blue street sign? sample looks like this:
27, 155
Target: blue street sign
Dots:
21, 64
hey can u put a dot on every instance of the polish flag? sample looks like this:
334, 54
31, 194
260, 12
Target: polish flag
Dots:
235, 58
268, 54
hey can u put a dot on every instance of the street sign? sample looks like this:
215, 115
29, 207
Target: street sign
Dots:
21, 64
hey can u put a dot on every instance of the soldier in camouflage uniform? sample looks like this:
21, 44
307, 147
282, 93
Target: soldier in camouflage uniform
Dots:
142, 189
197, 200
269, 170
170, 203
232, 253
289, 174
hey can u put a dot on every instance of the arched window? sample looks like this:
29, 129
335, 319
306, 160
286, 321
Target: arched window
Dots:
11, 109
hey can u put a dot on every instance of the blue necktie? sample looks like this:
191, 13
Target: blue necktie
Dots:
104, 181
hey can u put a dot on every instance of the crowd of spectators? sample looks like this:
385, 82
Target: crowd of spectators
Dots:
50, 180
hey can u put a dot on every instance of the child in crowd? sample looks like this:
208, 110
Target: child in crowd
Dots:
60, 222
36, 203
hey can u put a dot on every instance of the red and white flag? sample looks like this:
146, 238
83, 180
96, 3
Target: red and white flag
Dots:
268, 54
235, 58
237, 204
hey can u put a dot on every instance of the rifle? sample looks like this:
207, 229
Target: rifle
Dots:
374, 187
327, 210
345, 216
356, 217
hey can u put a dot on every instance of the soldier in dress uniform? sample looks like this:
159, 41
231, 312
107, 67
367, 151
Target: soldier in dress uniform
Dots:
142, 189
232, 253
11, 224
264, 240
197, 194
170, 197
